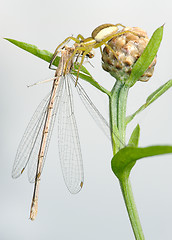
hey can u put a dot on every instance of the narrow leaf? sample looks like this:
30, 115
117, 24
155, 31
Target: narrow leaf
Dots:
43, 54
155, 95
146, 58
91, 81
47, 56
129, 155
134, 139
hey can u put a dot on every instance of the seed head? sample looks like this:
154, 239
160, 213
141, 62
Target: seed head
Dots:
128, 47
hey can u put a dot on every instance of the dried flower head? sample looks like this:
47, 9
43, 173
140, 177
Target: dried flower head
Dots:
128, 48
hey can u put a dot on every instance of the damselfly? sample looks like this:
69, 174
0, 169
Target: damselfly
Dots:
33, 147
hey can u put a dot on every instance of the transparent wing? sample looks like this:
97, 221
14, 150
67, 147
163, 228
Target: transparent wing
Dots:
27, 142
32, 165
68, 142
94, 112
28, 149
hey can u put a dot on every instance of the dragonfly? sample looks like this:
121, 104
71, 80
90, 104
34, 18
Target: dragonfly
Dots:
34, 145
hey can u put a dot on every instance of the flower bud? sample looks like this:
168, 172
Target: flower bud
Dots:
128, 47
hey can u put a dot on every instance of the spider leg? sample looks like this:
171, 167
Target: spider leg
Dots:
80, 37
120, 33
60, 45
77, 57
77, 49
104, 41
101, 50
119, 24
109, 47
82, 60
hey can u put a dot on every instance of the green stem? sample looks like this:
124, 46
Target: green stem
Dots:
118, 103
117, 110
122, 104
113, 116
131, 208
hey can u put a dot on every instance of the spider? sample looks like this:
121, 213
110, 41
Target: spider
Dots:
83, 46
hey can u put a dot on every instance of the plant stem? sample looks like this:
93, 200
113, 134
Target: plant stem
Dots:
122, 104
131, 208
113, 116
117, 107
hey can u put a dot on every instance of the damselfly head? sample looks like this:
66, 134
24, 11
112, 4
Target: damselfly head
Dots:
91, 54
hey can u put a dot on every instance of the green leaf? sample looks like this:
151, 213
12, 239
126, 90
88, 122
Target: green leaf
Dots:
43, 54
123, 161
146, 58
134, 139
47, 56
91, 81
155, 95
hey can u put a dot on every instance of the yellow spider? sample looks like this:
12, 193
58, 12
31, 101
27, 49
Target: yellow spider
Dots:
83, 46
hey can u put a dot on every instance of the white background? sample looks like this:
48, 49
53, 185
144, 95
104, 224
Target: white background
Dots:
98, 211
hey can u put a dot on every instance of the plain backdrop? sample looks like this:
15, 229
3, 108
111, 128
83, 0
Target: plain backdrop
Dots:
98, 211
